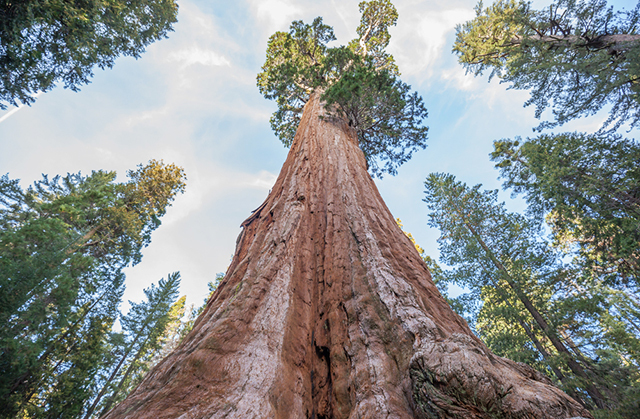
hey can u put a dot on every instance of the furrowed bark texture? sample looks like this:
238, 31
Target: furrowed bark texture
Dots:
328, 311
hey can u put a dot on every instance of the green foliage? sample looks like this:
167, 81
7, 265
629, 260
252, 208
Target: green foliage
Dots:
46, 42
502, 322
358, 82
373, 33
144, 327
526, 304
576, 56
64, 393
292, 70
588, 187
63, 245
386, 115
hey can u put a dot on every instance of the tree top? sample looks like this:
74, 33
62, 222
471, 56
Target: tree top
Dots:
358, 82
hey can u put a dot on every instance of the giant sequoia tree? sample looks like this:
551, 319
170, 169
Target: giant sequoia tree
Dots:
327, 309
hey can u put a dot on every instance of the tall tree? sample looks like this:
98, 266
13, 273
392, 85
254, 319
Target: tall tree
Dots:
576, 56
527, 295
63, 245
46, 42
327, 310
358, 82
143, 329
588, 187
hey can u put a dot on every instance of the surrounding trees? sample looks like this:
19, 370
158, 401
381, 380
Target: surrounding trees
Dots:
44, 42
567, 307
588, 188
63, 245
143, 329
533, 307
358, 81
577, 56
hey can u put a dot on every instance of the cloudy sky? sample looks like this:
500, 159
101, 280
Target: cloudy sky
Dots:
191, 99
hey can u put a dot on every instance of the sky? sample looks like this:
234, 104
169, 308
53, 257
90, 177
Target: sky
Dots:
192, 100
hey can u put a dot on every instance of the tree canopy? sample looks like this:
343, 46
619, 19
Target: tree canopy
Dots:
358, 81
577, 57
46, 42
529, 305
64, 243
588, 188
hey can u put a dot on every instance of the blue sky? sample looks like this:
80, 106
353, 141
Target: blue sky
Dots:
191, 99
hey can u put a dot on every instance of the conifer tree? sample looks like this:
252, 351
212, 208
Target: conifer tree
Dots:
44, 42
63, 246
143, 328
576, 56
533, 308
588, 188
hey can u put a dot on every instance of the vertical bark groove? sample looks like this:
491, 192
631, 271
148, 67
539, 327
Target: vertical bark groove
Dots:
327, 311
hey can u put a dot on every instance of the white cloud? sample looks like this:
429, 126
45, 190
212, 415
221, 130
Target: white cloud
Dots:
459, 78
11, 112
278, 13
423, 36
194, 23
196, 55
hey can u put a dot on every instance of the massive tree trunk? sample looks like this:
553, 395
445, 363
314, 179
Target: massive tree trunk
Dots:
328, 311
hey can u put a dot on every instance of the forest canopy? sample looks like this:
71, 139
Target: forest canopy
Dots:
358, 82
576, 56
43, 43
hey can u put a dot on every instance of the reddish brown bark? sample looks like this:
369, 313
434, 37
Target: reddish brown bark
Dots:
328, 311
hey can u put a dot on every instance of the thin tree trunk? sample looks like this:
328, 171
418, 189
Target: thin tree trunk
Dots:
539, 346
575, 367
118, 388
536, 342
328, 311
106, 385
120, 363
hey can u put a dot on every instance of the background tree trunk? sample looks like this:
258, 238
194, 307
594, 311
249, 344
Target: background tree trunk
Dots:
328, 311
